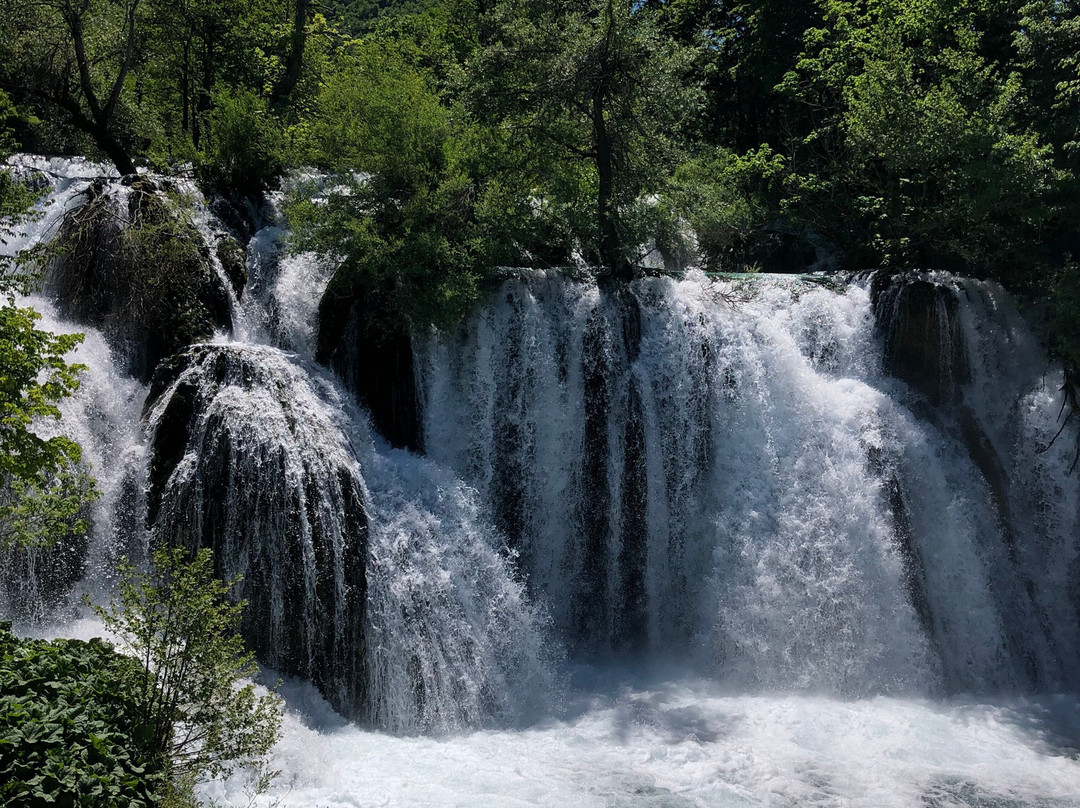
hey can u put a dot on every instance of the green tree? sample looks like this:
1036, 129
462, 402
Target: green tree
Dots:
728, 200
192, 49
400, 223
592, 95
177, 621
15, 198
918, 151
42, 488
244, 149
76, 57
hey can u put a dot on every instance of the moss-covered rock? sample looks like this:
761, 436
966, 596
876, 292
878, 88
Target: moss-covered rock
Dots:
233, 258
130, 262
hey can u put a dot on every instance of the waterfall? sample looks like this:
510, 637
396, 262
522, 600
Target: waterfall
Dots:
848, 487
103, 417
791, 485
371, 572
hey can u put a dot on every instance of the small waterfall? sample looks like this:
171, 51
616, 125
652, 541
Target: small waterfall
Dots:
795, 485
103, 417
252, 459
367, 571
1000, 397
281, 300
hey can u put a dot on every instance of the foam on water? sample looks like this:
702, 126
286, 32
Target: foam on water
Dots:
682, 743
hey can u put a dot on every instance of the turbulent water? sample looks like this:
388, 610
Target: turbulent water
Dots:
802, 543
726, 471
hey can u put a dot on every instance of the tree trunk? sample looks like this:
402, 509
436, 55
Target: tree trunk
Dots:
611, 252
115, 152
103, 139
185, 100
295, 58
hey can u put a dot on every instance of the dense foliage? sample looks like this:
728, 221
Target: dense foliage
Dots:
469, 133
43, 490
82, 725
71, 727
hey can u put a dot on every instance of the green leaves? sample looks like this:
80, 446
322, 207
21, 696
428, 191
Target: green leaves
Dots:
592, 98
920, 149
177, 621
401, 219
68, 715
245, 146
42, 488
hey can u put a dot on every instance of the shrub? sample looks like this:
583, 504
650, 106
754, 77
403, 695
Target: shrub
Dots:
71, 727
179, 624
245, 144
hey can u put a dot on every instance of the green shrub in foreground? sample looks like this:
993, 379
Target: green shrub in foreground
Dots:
71, 732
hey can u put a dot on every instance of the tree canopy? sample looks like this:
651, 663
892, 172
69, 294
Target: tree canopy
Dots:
469, 133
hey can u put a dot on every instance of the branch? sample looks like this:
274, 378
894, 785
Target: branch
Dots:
74, 23
125, 63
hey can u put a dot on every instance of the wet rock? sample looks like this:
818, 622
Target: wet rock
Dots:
375, 360
245, 462
233, 260
923, 342
127, 262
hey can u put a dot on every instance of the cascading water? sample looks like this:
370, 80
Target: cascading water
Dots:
726, 471
103, 418
368, 571
806, 544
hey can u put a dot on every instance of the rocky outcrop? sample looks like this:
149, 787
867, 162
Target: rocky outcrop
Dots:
233, 258
923, 344
375, 360
129, 262
248, 460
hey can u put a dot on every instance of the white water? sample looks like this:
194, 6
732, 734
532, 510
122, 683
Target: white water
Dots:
748, 540
681, 743
770, 442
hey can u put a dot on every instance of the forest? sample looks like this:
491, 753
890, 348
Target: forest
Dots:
468, 134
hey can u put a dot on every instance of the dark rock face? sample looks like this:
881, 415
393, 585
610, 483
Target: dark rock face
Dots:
248, 460
375, 360
923, 344
232, 256
130, 264
37, 581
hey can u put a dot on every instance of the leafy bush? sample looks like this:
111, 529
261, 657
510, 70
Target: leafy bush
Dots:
725, 198
401, 222
196, 717
42, 489
244, 145
71, 727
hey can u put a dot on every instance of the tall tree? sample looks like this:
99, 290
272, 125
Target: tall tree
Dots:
294, 56
593, 82
77, 56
